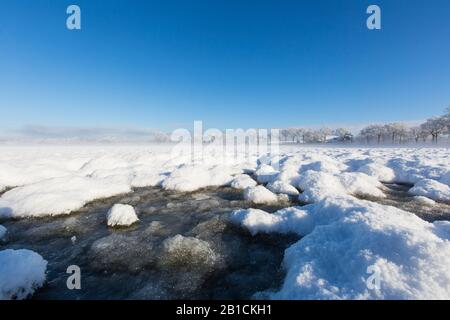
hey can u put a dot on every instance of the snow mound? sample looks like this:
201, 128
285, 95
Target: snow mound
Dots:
378, 171
2, 232
289, 174
283, 187
121, 215
242, 181
346, 240
58, 196
189, 178
325, 164
431, 189
256, 220
266, 173
358, 183
317, 185
259, 195
21, 273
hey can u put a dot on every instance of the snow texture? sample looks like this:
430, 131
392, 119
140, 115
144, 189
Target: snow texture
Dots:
21, 273
431, 189
260, 195
121, 215
345, 238
242, 181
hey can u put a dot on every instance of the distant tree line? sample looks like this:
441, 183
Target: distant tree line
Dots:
393, 133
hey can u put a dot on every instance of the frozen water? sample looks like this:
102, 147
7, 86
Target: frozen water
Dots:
187, 250
2, 232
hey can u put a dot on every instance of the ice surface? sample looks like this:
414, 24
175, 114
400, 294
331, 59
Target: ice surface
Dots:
2, 232
121, 215
21, 273
182, 252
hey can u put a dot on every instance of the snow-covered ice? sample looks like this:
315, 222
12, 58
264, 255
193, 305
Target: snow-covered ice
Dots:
344, 237
21, 273
121, 215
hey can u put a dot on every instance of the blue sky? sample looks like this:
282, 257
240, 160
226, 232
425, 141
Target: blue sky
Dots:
231, 63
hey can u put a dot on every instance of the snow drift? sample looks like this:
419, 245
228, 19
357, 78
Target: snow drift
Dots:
345, 238
121, 215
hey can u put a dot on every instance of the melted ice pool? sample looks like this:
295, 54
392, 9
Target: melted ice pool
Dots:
182, 248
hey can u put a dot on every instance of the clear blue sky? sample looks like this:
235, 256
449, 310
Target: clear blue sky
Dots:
230, 63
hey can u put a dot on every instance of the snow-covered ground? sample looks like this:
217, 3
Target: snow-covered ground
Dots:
344, 240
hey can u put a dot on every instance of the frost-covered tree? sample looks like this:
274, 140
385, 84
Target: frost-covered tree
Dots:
324, 133
402, 132
343, 134
395, 130
373, 131
299, 136
416, 133
435, 127
284, 134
